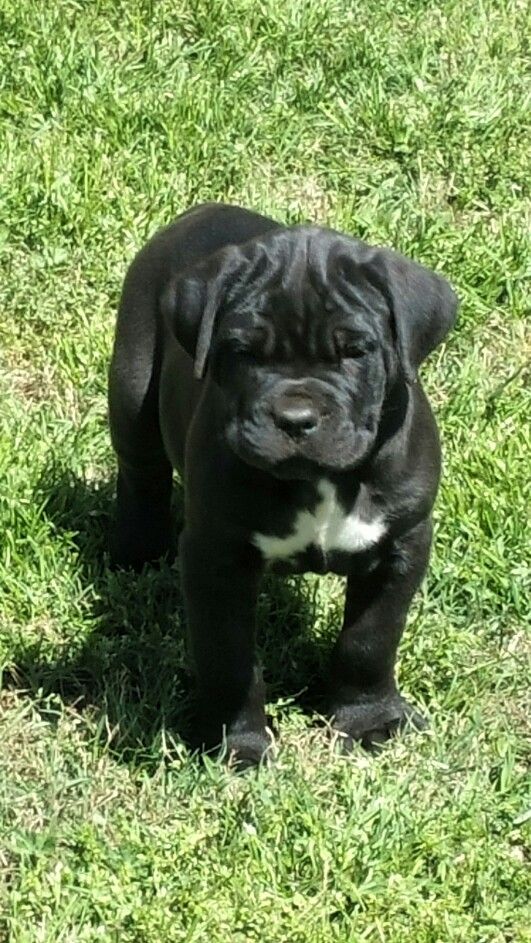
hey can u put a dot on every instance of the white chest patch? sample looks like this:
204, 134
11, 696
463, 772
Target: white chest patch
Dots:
327, 526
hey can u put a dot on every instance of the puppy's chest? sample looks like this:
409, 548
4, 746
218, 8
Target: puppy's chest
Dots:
324, 532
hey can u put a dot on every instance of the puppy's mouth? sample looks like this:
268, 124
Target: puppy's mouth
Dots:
302, 462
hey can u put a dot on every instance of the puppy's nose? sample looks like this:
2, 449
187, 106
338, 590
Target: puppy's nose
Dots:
295, 415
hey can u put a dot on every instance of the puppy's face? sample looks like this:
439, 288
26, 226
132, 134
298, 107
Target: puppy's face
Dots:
306, 331
303, 375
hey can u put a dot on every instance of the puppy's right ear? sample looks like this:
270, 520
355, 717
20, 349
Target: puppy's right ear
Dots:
193, 302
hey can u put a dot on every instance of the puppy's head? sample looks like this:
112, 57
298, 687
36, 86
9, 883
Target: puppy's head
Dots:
305, 331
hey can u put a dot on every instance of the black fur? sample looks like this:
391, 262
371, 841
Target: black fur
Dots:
259, 359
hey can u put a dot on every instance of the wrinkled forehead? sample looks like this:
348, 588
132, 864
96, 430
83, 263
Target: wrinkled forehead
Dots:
304, 290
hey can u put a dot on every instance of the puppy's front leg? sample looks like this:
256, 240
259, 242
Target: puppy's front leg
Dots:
220, 590
367, 705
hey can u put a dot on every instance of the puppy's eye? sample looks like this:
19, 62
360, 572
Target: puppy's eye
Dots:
241, 351
351, 350
353, 346
245, 345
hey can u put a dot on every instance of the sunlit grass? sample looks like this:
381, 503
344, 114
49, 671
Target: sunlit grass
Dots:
404, 123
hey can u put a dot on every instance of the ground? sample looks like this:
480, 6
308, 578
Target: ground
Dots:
400, 121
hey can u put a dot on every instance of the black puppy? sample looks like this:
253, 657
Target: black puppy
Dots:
276, 368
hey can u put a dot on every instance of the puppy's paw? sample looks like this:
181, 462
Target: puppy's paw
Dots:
246, 751
239, 749
372, 722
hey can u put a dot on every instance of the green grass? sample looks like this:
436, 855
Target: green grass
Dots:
405, 122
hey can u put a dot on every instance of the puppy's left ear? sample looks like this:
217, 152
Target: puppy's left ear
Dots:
422, 303
193, 301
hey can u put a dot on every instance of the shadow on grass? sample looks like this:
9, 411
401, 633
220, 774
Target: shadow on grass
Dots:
131, 669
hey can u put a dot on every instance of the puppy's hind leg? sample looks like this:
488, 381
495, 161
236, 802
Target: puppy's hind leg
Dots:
142, 530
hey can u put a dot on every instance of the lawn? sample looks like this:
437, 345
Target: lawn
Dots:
404, 122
